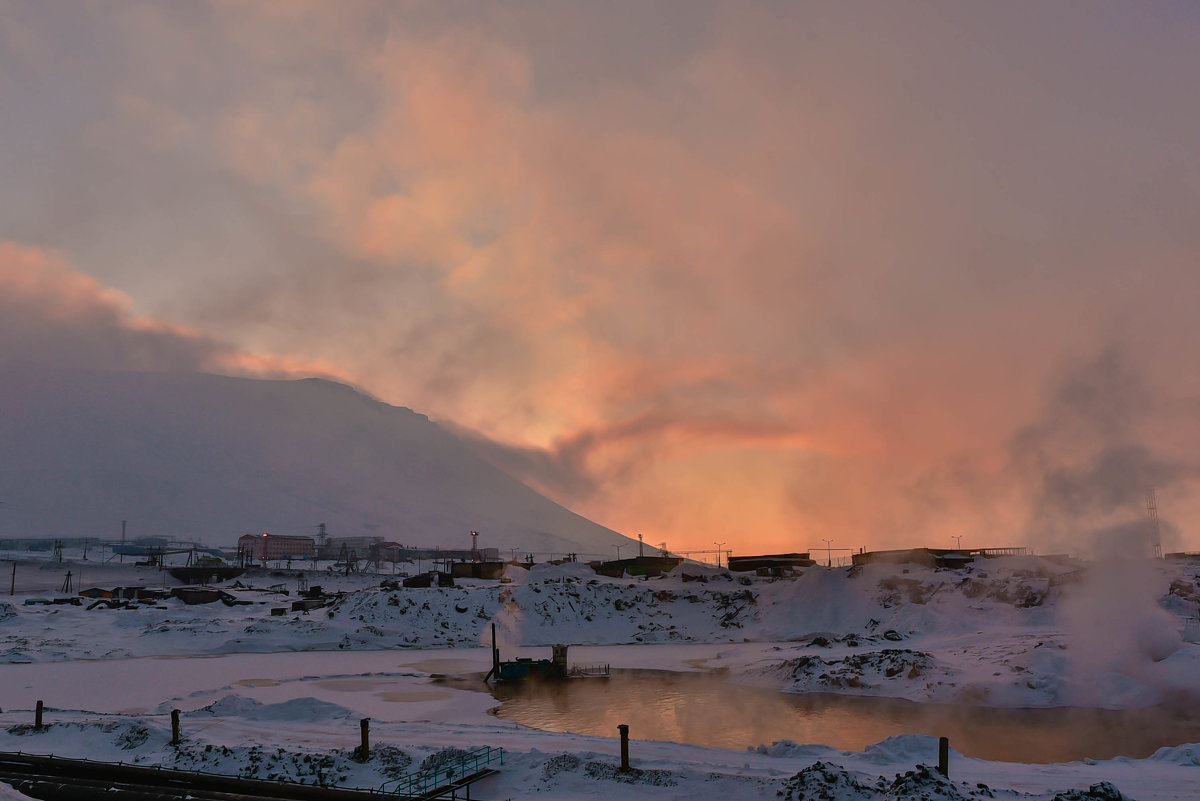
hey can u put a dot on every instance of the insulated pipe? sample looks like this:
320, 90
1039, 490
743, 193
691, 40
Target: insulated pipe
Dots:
155, 781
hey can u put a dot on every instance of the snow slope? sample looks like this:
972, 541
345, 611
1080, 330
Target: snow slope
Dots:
209, 458
1010, 635
1006, 633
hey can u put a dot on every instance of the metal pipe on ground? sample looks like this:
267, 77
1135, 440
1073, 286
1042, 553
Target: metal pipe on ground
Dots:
54, 788
142, 779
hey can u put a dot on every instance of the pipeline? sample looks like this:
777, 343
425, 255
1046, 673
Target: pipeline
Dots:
54, 788
54, 778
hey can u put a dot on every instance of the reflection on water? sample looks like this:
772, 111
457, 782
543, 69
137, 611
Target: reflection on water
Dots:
703, 710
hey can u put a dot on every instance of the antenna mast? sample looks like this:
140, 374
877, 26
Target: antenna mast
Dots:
1152, 518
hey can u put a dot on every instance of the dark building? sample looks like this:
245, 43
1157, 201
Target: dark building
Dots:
769, 562
933, 557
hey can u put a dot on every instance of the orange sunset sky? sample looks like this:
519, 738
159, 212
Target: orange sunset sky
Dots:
761, 273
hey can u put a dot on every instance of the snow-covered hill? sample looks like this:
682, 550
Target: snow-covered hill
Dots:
204, 457
1015, 632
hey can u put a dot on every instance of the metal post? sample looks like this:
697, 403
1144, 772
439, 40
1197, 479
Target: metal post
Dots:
624, 729
12, 589
944, 756
37, 716
495, 656
364, 750
175, 727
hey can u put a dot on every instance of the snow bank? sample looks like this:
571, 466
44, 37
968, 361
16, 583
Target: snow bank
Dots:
292, 710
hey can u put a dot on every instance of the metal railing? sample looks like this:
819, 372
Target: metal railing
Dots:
432, 782
589, 671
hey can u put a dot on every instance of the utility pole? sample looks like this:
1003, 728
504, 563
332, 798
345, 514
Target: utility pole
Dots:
828, 552
719, 545
640, 554
618, 547
958, 539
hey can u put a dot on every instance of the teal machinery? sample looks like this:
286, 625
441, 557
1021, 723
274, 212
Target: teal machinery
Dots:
523, 668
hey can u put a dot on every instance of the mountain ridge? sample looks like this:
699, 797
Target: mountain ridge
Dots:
207, 457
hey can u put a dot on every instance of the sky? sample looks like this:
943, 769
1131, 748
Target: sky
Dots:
764, 274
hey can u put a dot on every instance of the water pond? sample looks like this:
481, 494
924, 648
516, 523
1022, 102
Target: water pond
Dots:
701, 709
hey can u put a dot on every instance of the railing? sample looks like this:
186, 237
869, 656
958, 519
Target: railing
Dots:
589, 671
432, 782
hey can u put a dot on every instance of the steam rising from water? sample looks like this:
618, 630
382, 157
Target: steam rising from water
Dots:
1116, 631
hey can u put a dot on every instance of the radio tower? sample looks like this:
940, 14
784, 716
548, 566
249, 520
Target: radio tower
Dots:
1152, 518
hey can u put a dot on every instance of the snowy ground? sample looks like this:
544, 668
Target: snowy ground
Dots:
269, 695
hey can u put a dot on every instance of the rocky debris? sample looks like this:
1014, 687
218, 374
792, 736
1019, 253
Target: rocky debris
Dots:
257, 762
126, 735
926, 784
596, 769
1180, 588
898, 590
822, 781
1104, 791
1022, 593
443, 757
603, 770
857, 671
557, 764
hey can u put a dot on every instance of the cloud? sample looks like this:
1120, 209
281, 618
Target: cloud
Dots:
52, 315
793, 272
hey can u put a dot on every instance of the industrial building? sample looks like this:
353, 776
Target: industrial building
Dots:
768, 564
271, 547
933, 557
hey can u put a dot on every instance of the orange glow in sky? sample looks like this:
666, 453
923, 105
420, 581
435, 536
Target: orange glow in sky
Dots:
767, 275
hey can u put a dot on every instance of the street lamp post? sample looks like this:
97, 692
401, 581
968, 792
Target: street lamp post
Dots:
719, 545
828, 552
957, 538
618, 547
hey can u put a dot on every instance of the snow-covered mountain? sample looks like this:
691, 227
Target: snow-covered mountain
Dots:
209, 458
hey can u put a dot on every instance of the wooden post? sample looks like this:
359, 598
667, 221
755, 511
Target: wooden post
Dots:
12, 588
944, 756
175, 738
37, 716
624, 729
364, 750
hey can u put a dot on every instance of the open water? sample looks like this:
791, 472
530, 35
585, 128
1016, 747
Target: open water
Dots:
701, 709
